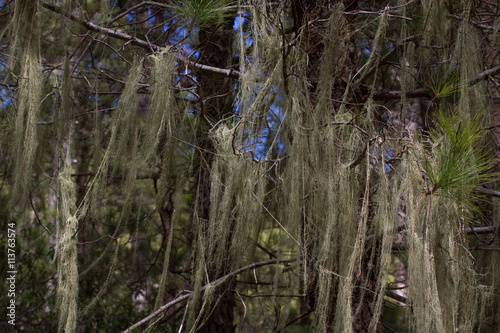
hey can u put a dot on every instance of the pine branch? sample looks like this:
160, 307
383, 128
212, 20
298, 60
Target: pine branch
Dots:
137, 41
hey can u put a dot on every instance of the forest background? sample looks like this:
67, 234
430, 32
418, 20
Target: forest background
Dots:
241, 166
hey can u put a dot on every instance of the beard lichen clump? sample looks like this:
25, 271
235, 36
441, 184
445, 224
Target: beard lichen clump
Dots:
66, 251
25, 60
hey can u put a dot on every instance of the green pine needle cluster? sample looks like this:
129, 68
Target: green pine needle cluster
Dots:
202, 12
443, 84
458, 163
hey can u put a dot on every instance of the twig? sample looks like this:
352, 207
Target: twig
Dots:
133, 8
302, 315
38, 219
244, 311
184, 316
487, 249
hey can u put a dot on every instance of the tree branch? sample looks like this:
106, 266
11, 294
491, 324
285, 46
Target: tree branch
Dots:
487, 191
484, 75
387, 95
133, 8
380, 95
482, 230
393, 95
138, 42
479, 25
154, 176
211, 284
469, 231
397, 297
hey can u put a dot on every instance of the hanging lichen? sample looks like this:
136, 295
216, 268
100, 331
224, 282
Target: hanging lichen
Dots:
160, 114
67, 220
434, 25
67, 268
375, 52
25, 58
216, 237
472, 97
121, 153
438, 206
385, 224
306, 167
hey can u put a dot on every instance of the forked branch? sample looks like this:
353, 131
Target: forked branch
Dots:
211, 284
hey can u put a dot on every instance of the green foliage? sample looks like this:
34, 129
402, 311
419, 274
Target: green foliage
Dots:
443, 83
458, 162
202, 12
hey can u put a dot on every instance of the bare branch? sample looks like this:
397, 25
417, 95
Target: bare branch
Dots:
484, 75
397, 297
421, 92
272, 295
487, 191
487, 249
138, 42
479, 25
482, 230
211, 284
393, 95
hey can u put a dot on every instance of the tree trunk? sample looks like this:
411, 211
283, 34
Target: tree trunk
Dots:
214, 103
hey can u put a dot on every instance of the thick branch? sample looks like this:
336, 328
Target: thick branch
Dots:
211, 284
484, 75
487, 191
482, 230
397, 297
393, 95
137, 41
469, 231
